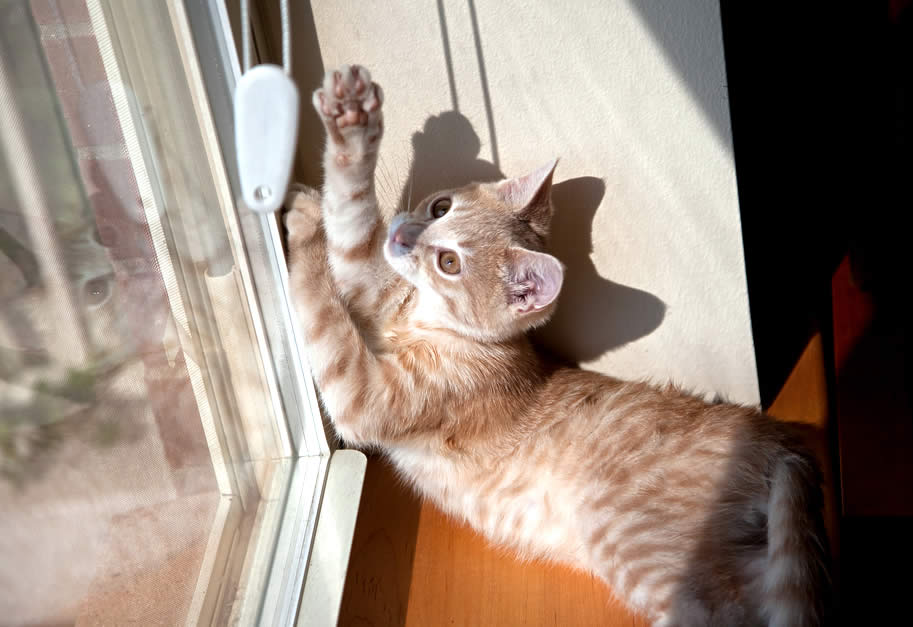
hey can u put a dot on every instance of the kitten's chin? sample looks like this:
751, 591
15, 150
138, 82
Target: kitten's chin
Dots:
403, 264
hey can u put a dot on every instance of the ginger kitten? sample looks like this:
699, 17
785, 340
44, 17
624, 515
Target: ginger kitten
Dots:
693, 513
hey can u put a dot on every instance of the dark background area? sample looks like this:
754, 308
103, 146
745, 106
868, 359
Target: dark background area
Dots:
793, 77
820, 107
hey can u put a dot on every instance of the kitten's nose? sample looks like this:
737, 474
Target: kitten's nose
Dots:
405, 236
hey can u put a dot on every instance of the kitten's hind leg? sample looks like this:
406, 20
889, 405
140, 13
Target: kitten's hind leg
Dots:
350, 105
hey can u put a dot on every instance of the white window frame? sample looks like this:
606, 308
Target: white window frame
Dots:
308, 494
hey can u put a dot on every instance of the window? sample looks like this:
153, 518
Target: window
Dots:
162, 456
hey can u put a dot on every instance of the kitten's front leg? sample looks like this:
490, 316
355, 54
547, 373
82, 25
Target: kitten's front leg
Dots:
360, 390
350, 106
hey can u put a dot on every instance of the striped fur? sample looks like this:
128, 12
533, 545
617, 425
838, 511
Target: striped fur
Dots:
693, 513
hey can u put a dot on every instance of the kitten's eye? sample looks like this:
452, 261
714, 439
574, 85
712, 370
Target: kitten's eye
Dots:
440, 207
97, 290
449, 262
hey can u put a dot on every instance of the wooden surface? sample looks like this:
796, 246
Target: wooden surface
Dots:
413, 566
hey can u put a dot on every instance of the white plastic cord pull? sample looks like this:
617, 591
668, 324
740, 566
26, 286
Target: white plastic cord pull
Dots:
266, 124
266, 132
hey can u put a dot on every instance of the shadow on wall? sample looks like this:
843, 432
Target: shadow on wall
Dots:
445, 155
594, 315
682, 30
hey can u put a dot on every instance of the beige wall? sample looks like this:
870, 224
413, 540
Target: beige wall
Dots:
631, 96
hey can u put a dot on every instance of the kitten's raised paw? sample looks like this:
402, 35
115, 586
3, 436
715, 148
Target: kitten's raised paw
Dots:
350, 105
302, 217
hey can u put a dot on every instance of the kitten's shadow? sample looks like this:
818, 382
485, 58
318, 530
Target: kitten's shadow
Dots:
445, 154
594, 315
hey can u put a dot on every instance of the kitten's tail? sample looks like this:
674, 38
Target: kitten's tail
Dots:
796, 582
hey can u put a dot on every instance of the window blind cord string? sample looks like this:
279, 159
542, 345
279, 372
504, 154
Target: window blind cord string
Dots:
286, 36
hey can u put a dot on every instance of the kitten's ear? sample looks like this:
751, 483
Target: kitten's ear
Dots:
534, 280
531, 195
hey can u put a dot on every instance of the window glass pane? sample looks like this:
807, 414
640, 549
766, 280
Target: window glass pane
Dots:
144, 452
